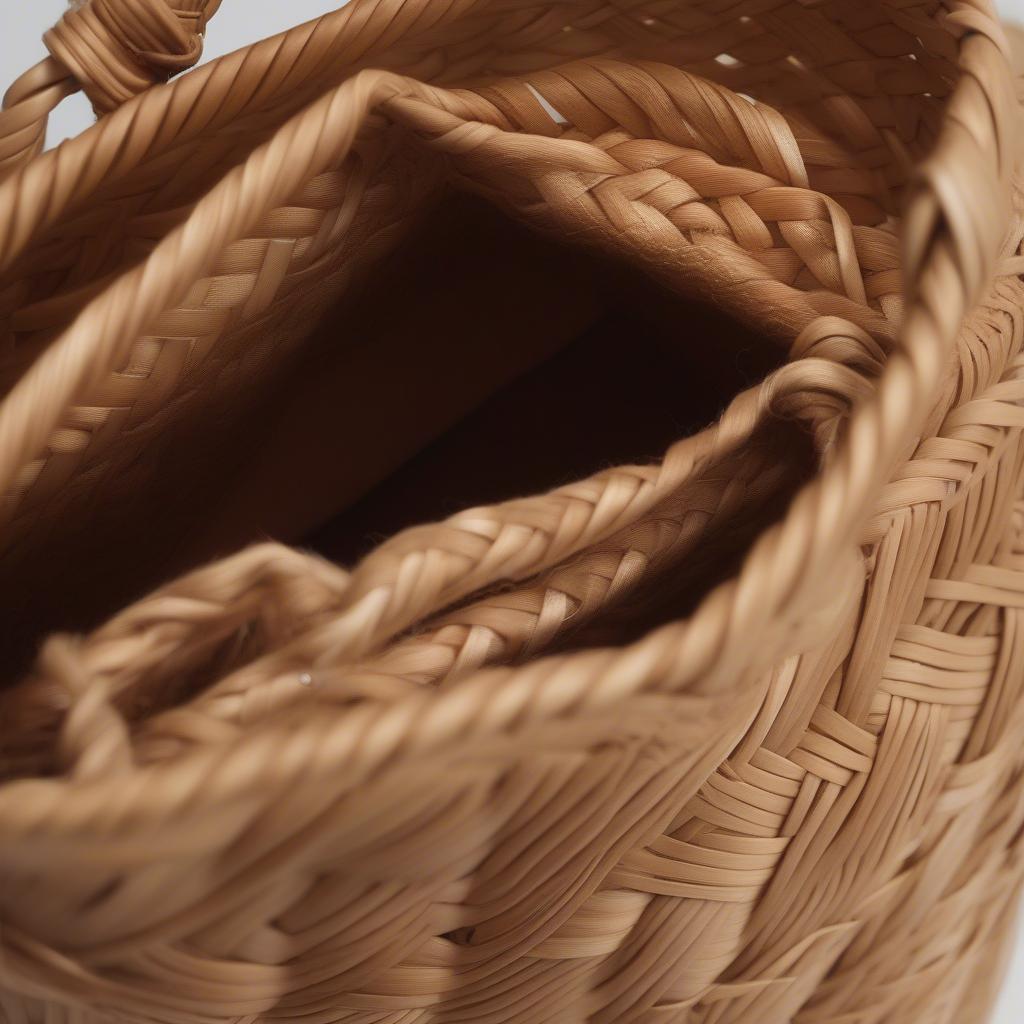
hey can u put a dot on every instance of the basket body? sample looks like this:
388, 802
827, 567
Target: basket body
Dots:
441, 787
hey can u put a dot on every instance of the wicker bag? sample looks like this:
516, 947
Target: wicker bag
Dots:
727, 734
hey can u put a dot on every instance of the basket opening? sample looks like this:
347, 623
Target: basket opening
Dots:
356, 392
480, 362
632, 370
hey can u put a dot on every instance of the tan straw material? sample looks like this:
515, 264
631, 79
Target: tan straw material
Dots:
729, 736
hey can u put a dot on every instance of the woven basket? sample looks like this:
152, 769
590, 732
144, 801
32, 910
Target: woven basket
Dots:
732, 735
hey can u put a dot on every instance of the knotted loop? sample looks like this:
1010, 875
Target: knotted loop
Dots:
116, 49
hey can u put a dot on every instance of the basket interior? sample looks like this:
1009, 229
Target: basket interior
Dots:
478, 363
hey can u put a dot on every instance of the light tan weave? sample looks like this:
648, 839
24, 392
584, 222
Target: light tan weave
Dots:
730, 736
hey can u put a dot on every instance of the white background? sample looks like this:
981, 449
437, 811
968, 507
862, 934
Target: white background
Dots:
238, 22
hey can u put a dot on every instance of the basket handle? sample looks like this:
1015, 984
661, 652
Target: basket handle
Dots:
112, 50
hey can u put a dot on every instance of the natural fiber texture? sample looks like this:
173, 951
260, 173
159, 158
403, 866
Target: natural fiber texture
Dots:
731, 737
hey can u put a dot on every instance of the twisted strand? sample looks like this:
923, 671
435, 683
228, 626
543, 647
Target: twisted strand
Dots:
26, 106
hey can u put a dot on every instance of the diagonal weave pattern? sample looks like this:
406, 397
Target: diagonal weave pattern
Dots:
455, 784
